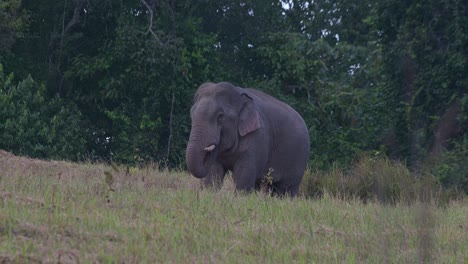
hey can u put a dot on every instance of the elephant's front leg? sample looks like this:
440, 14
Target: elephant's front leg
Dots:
245, 174
215, 177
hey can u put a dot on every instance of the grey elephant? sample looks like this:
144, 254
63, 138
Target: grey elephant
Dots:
249, 133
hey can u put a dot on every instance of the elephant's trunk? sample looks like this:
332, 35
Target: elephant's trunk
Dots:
196, 154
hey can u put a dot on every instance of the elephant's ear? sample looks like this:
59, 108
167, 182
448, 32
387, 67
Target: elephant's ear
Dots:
249, 119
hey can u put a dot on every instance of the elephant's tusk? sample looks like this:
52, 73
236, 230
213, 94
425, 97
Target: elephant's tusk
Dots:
210, 148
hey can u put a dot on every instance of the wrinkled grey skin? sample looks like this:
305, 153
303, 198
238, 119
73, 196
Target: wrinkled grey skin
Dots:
249, 133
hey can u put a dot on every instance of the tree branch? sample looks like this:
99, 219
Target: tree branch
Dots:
170, 126
75, 19
150, 26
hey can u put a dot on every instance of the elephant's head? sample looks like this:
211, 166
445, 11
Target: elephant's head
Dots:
221, 115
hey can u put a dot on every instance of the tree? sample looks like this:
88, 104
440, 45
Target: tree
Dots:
35, 126
425, 53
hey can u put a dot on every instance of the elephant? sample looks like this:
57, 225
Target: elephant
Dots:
249, 133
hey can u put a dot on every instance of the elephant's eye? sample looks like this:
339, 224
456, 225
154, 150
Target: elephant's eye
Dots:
220, 117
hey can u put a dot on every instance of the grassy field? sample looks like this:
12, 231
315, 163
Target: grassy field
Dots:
70, 213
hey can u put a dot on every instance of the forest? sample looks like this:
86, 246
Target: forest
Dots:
93, 80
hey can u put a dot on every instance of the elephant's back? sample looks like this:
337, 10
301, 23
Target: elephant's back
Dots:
280, 112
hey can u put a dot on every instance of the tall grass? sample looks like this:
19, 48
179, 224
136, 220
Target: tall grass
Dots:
76, 213
377, 179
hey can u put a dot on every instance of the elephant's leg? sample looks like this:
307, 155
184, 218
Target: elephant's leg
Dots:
245, 174
281, 189
290, 186
258, 184
215, 177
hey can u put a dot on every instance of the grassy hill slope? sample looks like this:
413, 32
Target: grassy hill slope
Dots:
54, 211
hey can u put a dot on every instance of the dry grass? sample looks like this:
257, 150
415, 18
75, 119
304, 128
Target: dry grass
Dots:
376, 179
69, 213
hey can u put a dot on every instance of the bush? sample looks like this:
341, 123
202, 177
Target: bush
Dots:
451, 170
371, 178
33, 125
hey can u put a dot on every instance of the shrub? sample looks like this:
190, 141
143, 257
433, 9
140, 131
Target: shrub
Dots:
451, 170
33, 125
371, 178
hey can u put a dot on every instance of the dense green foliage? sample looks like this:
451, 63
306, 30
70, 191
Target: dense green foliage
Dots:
36, 126
385, 77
